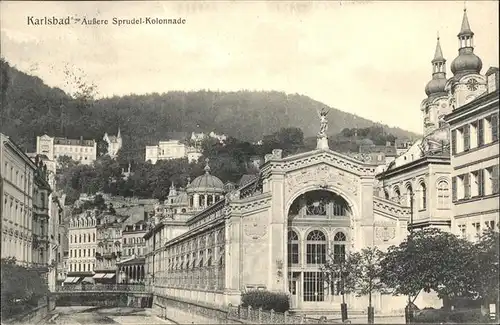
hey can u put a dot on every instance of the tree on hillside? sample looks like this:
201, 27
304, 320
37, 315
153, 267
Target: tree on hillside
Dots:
4, 84
429, 259
102, 148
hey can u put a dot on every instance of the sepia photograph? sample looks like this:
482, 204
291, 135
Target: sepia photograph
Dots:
249, 162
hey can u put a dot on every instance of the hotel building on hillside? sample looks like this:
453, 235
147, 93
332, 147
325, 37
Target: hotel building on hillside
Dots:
83, 151
171, 149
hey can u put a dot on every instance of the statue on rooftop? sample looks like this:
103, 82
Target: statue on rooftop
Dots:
323, 122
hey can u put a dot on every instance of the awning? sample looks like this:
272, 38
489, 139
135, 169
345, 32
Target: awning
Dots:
88, 279
75, 280
98, 275
69, 279
109, 276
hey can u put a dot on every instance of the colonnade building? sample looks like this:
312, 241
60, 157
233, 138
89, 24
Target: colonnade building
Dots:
274, 232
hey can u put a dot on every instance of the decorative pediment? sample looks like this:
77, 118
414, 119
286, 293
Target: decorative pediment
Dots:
322, 175
305, 160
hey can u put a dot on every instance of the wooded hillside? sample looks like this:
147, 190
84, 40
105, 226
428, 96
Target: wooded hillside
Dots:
31, 108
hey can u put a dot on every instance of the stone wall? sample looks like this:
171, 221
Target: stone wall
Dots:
103, 300
182, 312
33, 316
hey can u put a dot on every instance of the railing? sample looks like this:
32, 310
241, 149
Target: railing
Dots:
259, 316
102, 287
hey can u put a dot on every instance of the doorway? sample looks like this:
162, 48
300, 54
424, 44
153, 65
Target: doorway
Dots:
293, 289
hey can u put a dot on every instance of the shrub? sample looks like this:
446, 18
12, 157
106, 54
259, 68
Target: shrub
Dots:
431, 316
468, 316
21, 288
267, 300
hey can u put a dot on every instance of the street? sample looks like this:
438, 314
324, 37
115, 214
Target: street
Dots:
80, 315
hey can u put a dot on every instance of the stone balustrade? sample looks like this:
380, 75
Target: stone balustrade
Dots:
258, 316
102, 287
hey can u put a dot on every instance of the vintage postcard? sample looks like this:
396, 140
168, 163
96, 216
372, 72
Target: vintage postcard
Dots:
249, 162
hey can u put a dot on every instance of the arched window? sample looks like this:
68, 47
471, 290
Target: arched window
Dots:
397, 194
80, 238
293, 248
423, 196
409, 193
443, 193
339, 243
316, 247
201, 200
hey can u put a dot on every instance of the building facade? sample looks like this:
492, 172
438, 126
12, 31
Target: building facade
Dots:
83, 151
25, 219
82, 247
131, 265
171, 149
109, 241
114, 143
475, 162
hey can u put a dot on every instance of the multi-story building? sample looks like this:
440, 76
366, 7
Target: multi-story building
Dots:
171, 149
83, 151
114, 143
82, 247
475, 149
24, 191
55, 217
131, 265
133, 243
109, 241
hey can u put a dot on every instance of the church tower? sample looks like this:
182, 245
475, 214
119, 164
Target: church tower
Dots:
435, 106
467, 82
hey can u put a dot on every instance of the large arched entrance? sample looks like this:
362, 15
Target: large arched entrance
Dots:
318, 228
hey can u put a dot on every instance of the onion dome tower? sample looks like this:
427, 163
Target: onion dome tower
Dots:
436, 86
435, 106
466, 62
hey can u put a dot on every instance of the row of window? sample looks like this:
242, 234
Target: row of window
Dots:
74, 157
82, 252
17, 177
475, 134
82, 238
421, 194
70, 149
131, 251
316, 248
481, 182
134, 240
206, 277
82, 267
82, 222
19, 213
475, 230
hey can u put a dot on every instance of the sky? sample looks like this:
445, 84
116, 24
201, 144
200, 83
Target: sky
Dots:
369, 58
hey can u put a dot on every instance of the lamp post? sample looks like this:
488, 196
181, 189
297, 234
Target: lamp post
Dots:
343, 305
409, 308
